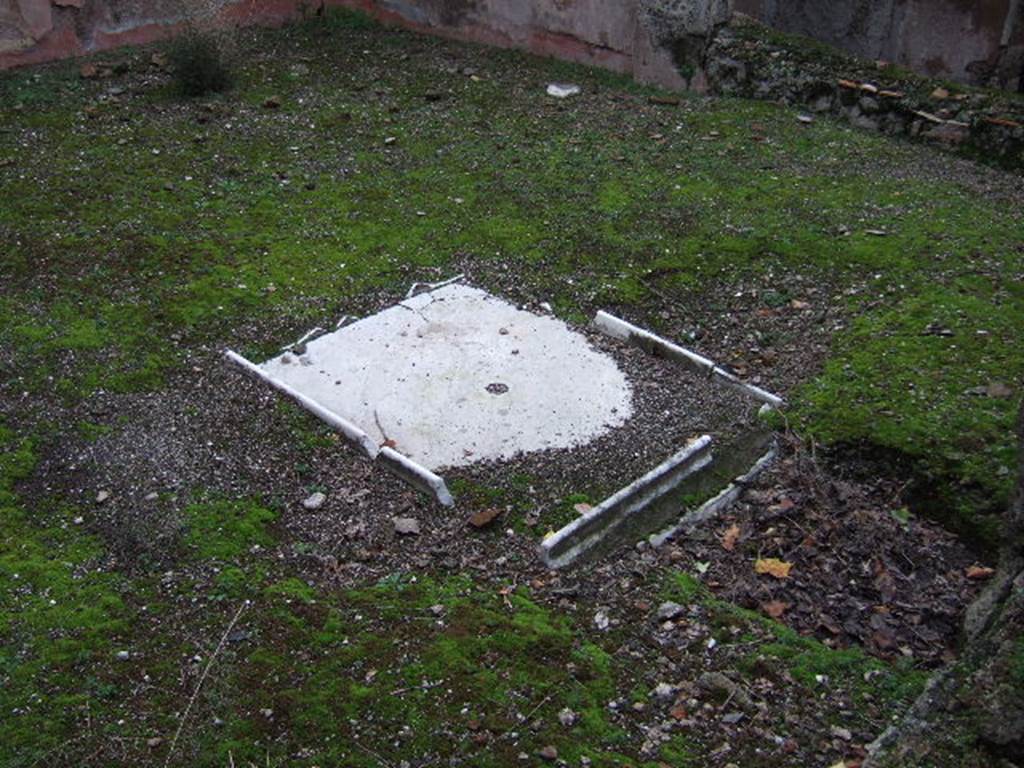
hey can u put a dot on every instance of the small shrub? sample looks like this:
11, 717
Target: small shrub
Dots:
201, 63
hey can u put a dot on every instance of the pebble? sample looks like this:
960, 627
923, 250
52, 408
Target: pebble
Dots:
567, 717
407, 526
562, 90
314, 501
841, 733
601, 620
102, 496
123, 655
548, 753
669, 610
663, 692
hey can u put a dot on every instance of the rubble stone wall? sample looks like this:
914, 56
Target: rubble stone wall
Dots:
969, 41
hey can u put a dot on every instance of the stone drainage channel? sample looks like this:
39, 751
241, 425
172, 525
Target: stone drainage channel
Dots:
452, 375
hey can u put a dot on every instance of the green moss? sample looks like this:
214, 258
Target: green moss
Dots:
227, 530
808, 661
913, 378
1016, 667
91, 432
683, 589
291, 589
59, 616
382, 658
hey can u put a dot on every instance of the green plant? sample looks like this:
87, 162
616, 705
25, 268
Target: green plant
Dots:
201, 63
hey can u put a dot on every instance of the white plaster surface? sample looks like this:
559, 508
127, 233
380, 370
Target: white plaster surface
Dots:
418, 374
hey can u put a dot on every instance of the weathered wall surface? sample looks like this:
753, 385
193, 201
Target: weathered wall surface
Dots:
33, 31
602, 32
653, 40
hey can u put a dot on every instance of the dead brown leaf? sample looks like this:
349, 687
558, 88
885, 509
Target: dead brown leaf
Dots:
679, 712
730, 537
775, 608
772, 566
979, 572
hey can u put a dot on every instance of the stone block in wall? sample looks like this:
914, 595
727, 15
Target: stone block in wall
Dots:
23, 23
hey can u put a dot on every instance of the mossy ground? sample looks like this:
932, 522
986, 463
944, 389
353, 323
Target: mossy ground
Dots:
141, 231
412, 665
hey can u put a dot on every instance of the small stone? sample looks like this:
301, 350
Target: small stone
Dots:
940, 93
390, 140
841, 733
563, 90
548, 753
732, 718
567, 717
156, 741
123, 655
601, 620
151, 496
999, 390
267, 713
805, 119
437, 610
669, 610
407, 526
484, 517
663, 692
102, 496
314, 501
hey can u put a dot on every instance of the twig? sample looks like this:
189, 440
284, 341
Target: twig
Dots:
420, 687
380, 427
371, 753
533, 711
202, 679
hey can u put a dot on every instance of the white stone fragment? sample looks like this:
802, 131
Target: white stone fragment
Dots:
563, 90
